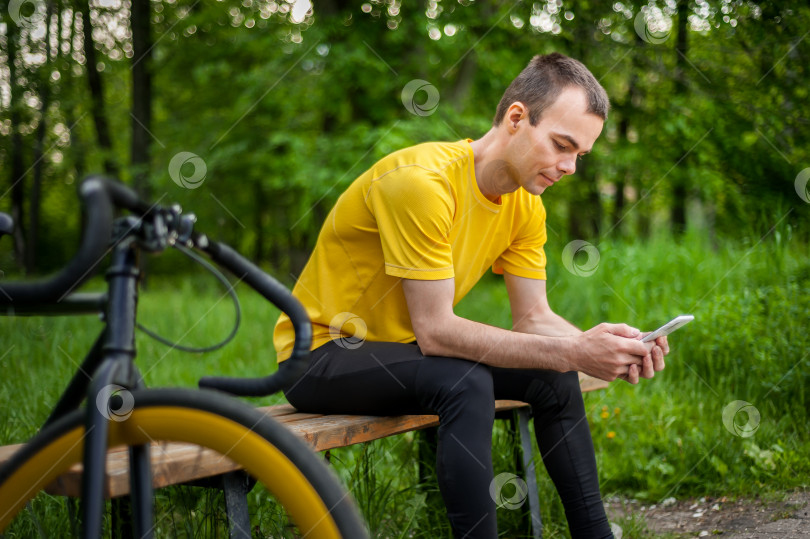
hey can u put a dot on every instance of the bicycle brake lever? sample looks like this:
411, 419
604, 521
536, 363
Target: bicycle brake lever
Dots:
185, 229
151, 232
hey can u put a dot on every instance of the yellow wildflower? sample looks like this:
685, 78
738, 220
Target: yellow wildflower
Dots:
605, 408
616, 410
611, 435
604, 415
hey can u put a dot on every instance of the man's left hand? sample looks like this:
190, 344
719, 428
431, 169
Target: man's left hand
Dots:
652, 362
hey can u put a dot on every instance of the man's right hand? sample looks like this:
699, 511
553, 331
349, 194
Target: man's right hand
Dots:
609, 351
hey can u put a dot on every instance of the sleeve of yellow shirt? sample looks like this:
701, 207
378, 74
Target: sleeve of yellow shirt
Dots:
414, 212
526, 257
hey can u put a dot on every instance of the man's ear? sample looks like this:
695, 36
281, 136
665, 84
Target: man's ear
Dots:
516, 112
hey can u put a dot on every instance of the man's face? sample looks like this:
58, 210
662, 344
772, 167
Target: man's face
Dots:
542, 154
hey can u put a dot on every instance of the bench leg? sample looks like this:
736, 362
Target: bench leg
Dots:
427, 444
121, 518
528, 467
236, 486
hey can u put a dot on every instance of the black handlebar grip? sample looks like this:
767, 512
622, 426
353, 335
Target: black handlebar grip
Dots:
281, 297
98, 218
6, 224
122, 196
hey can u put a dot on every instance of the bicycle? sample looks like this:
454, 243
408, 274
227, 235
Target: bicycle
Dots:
310, 493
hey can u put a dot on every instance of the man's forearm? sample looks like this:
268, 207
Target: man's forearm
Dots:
550, 324
499, 347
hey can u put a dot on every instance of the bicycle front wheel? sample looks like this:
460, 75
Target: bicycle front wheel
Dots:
307, 490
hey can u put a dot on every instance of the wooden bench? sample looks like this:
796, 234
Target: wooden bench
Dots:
180, 463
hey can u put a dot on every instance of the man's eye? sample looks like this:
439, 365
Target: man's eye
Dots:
560, 146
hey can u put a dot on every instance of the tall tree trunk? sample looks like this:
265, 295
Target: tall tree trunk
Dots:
18, 172
643, 225
681, 173
76, 143
141, 95
585, 206
464, 80
96, 92
618, 201
626, 112
259, 212
637, 116
39, 149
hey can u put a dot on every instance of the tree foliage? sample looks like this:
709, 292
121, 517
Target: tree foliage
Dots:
285, 104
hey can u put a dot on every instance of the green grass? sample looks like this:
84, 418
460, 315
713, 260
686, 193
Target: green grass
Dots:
664, 437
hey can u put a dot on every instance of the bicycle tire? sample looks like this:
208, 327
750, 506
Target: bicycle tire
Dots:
308, 490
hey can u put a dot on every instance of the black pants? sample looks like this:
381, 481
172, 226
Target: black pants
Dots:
391, 379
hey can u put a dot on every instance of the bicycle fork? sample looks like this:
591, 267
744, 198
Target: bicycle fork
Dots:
109, 399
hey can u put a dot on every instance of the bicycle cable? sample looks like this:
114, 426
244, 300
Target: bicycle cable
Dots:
221, 278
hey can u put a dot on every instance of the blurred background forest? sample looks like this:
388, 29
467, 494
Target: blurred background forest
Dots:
257, 114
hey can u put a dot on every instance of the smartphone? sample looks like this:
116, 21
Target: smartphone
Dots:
669, 327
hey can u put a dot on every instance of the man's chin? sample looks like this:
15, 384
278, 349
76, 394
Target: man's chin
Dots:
535, 189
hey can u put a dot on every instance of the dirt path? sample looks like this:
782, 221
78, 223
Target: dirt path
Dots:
735, 519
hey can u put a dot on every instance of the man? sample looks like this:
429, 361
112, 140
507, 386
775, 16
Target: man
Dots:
408, 239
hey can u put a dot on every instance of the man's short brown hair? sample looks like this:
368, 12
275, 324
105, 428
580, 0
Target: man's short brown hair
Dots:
539, 85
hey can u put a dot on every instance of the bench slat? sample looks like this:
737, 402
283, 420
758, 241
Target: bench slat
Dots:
289, 418
279, 410
589, 383
7, 451
330, 432
172, 463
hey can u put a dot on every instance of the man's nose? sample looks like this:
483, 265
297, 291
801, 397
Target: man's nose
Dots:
567, 166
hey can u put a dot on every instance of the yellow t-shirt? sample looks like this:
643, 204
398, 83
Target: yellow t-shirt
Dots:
416, 214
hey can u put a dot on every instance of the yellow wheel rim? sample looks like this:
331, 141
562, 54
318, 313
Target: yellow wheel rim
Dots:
167, 423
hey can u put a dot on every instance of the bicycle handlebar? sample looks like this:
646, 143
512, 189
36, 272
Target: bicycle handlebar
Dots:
277, 293
99, 196
97, 199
